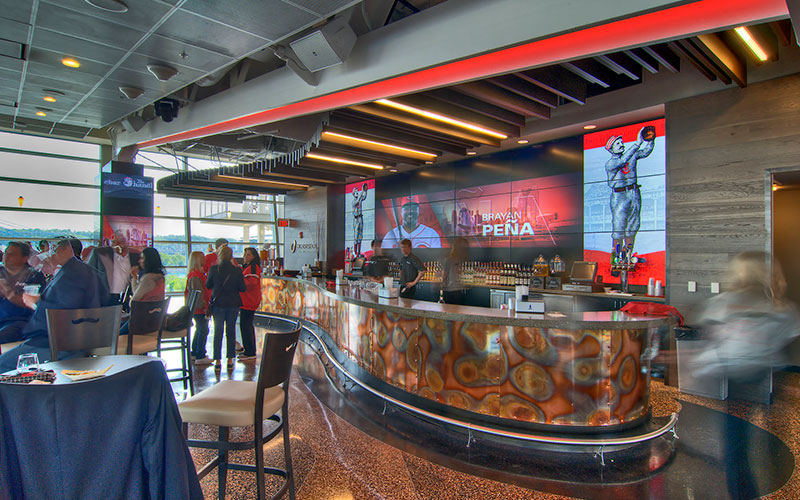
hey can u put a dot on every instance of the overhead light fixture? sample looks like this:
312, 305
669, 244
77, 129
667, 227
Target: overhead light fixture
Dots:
428, 163
342, 138
472, 153
41, 113
161, 72
49, 98
522, 141
392, 170
131, 92
441, 118
248, 181
589, 127
109, 5
344, 161
70, 62
751, 43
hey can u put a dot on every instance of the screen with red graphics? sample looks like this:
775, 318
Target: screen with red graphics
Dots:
624, 198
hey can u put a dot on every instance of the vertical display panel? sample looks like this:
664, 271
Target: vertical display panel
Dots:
624, 199
126, 206
359, 218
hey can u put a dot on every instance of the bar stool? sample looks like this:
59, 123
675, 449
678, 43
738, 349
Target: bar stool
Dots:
233, 403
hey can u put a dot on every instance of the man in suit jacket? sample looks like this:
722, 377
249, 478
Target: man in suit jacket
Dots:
114, 263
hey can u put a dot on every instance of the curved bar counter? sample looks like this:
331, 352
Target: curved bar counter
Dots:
577, 371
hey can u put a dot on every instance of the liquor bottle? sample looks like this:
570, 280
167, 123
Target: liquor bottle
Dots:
441, 296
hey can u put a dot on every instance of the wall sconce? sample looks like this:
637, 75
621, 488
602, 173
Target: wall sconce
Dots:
21, 200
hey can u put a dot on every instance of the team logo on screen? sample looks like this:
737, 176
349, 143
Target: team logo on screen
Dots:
127, 182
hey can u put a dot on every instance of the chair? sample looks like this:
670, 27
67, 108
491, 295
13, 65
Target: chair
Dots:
181, 339
238, 404
83, 329
145, 328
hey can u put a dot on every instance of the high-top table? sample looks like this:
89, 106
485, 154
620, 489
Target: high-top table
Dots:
117, 436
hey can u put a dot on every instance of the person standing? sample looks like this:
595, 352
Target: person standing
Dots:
453, 290
211, 257
225, 282
251, 299
411, 270
116, 264
196, 280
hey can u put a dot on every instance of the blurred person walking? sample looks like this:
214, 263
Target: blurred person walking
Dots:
453, 289
251, 299
225, 282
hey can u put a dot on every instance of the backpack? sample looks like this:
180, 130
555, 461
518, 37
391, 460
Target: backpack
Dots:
178, 320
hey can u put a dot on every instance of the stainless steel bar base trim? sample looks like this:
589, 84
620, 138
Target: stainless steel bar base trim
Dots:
470, 427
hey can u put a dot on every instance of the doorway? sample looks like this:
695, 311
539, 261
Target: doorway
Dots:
786, 229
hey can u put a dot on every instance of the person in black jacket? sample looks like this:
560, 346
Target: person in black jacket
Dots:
225, 282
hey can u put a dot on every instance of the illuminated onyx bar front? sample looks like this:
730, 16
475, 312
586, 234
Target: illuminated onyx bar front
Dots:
582, 369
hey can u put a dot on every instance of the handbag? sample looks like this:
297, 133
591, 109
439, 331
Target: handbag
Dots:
214, 296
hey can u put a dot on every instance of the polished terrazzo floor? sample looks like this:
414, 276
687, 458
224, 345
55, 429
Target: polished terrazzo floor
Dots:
337, 461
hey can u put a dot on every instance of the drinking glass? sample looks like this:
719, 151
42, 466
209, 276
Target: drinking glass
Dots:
28, 362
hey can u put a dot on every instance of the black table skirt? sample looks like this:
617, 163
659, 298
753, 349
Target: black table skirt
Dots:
116, 437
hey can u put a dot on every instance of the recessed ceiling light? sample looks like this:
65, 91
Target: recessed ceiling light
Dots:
522, 141
131, 92
471, 153
49, 98
109, 5
441, 118
428, 163
392, 170
70, 62
751, 43
589, 127
161, 72
41, 113
343, 161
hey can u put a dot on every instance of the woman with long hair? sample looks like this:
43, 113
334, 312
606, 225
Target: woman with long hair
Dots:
251, 299
196, 280
225, 282
147, 282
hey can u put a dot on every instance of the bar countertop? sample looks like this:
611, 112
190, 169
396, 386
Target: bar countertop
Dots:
579, 320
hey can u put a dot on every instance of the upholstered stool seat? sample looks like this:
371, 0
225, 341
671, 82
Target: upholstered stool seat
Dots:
229, 403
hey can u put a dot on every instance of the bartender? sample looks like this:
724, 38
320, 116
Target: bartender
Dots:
377, 265
411, 270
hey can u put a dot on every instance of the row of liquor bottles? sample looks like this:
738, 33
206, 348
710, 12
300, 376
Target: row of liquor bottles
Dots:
483, 273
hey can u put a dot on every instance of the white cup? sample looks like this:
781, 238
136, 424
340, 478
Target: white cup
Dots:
388, 282
658, 289
31, 289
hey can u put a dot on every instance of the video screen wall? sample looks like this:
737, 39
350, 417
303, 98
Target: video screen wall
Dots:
624, 198
576, 197
359, 218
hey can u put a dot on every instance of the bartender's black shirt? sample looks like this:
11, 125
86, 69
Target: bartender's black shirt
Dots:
409, 268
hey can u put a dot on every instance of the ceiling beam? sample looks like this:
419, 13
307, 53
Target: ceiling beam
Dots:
478, 106
692, 46
558, 81
591, 71
523, 87
427, 103
699, 66
413, 120
373, 131
622, 65
290, 174
665, 56
504, 99
367, 155
372, 120
722, 56
783, 31
310, 163
644, 59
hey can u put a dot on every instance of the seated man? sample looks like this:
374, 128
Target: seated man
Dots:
75, 286
14, 274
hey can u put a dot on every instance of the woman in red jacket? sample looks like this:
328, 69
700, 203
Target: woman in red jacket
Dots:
196, 280
251, 299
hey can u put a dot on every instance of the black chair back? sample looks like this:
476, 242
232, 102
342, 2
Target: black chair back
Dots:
148, 317
277, 357
83, 329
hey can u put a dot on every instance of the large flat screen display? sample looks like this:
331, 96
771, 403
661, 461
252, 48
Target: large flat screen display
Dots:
526, 213
624, 199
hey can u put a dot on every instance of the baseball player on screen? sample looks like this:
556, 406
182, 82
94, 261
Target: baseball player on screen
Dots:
626, 197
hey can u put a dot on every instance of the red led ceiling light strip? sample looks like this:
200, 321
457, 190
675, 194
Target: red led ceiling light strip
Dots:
696, 17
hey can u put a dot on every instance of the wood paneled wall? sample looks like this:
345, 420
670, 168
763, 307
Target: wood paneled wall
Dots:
720, 148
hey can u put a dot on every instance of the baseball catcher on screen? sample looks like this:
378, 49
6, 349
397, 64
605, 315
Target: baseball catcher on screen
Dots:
358, 217
626, 197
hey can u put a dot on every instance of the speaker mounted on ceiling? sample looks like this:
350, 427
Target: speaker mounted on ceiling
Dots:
325, 47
